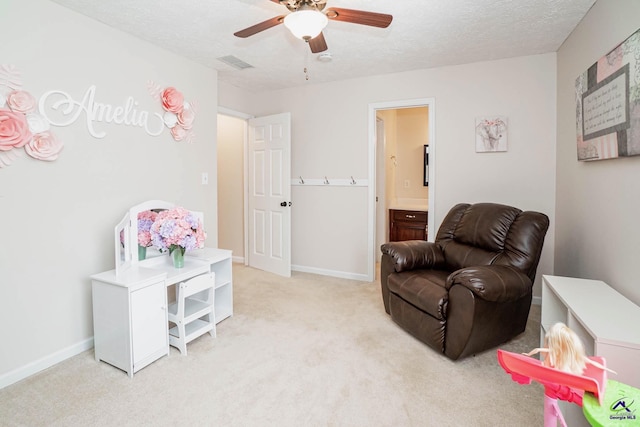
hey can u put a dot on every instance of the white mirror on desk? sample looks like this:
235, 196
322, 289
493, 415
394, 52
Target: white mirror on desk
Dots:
122, 244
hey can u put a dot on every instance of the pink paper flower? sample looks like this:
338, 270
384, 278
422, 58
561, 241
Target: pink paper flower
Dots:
172, 100
178, 115
21, 101
44, 146
186, 117
178, 132
14, 130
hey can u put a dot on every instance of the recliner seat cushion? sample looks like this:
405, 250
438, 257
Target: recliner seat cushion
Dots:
424, 289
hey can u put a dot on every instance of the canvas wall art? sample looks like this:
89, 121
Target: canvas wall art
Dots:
491, 134
608, 104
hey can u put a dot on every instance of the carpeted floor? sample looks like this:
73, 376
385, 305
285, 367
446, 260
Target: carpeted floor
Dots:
305, 351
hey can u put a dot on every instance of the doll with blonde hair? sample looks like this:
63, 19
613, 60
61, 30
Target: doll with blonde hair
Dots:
564, 351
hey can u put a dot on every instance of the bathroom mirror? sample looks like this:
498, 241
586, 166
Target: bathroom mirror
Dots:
425, 173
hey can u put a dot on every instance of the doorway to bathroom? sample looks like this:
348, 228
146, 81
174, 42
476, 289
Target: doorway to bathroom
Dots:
403, 145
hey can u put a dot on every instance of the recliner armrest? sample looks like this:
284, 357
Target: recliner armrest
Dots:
497, 283
414, 254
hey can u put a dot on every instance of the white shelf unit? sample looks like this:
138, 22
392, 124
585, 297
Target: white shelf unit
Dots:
605, 320
220, 262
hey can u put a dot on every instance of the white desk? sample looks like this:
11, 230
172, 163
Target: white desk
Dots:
130, 309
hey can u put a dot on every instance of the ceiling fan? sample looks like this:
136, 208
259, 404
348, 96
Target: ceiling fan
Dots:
306, 21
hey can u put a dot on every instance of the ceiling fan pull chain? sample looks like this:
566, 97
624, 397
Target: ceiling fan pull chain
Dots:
306, 65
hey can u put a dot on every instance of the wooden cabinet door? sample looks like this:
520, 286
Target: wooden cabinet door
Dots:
407, 225
408, 231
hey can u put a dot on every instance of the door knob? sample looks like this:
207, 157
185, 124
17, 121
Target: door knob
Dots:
285, 204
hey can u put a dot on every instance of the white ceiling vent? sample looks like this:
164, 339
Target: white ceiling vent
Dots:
236, 63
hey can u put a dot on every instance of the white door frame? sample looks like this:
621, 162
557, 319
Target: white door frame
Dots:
392, 105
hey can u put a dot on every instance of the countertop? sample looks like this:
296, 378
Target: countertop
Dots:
409, 207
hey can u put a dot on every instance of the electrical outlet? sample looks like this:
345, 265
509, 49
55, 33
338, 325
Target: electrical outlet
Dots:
407, 183
205, 178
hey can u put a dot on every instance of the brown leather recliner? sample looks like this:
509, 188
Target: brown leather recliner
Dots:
471, 289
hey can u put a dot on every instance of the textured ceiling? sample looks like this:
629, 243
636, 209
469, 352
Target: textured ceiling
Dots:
423, 34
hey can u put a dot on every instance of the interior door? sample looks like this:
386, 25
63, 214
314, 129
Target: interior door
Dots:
269, 189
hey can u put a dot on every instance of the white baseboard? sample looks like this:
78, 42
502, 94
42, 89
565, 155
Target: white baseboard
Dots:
44, 363
536, 301
332, 273
239, 259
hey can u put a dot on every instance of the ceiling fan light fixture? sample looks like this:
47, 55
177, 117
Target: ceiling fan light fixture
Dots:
306, 24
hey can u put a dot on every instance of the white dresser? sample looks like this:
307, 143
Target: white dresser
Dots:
605, 320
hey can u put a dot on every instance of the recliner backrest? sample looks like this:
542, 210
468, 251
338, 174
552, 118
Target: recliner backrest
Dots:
491, 233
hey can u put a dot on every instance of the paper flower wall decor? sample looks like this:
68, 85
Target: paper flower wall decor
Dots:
178, 114
21, 126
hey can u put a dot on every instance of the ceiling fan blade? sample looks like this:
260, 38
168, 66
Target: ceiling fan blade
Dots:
380, 20
265, 25
318, 44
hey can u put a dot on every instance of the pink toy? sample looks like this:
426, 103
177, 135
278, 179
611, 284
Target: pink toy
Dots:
557, 384
564, 351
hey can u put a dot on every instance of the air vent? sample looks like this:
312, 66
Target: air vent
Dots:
236, 63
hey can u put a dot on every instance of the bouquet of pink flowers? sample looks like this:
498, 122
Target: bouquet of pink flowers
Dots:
177, 228
145, 221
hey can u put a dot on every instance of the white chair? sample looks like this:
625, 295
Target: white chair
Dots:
193, 312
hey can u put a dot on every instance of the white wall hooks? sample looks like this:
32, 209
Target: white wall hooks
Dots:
330, 182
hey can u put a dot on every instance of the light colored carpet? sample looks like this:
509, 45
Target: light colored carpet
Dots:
305, 351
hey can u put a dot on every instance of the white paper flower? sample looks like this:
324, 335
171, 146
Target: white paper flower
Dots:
170, 119
3, 100
37, 123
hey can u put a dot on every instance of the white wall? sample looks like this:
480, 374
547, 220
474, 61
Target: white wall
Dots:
598, 203
330, 137
57, 218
